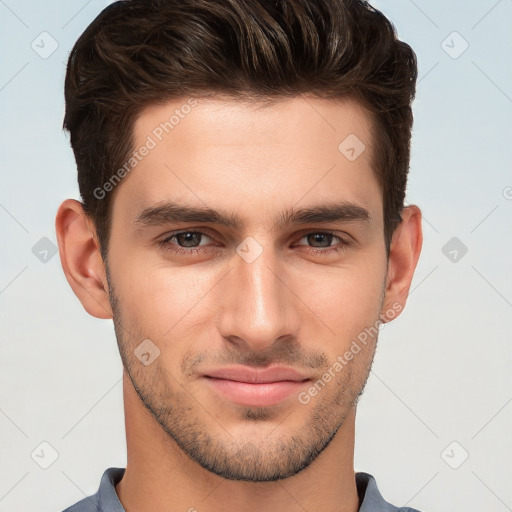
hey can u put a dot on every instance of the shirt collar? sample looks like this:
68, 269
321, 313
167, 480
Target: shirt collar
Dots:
369, 495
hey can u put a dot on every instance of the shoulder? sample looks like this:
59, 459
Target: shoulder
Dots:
105, 498
370, 497
85, 505
89, 504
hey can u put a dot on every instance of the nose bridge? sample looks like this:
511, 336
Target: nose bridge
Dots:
258, 308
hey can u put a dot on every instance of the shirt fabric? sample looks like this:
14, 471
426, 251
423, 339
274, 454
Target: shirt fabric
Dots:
106, 500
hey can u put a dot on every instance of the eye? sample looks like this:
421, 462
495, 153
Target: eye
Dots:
322, 242
185, 242
192, 242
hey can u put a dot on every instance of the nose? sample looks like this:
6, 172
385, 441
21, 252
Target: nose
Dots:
258, 305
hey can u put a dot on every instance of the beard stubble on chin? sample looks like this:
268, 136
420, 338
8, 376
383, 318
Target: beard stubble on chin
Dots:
280, 454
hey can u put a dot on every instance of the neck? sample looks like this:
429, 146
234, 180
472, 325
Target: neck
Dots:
160, 477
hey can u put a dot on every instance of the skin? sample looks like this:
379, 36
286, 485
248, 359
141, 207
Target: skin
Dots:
188, 446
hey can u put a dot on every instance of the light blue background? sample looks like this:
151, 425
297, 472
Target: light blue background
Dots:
442, 370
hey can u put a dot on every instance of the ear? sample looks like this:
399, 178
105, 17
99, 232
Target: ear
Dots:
81, 258
404, 253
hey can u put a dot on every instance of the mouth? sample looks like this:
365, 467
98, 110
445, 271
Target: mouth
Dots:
256, 387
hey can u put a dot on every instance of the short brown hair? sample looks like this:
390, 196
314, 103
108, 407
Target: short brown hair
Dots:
141, 52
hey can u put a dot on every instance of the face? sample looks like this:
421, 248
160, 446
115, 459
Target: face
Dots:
246, 255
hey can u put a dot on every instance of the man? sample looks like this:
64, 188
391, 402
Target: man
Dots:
242, 166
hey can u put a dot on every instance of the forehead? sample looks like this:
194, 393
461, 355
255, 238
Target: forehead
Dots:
252, 157
217, 120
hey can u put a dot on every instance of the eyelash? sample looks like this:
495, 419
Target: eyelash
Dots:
165, 243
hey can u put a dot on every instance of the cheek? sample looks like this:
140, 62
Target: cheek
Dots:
346, 299
163, 301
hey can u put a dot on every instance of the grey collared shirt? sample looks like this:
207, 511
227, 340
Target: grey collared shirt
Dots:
106, 500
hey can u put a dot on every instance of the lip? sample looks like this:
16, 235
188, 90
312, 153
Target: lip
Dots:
256, 386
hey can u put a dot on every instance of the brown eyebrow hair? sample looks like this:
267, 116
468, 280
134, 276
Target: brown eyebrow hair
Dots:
170, 211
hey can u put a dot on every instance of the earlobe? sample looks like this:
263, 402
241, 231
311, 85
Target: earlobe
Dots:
403, 257
81, 258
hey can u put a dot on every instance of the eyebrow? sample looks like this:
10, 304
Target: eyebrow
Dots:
172, 212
